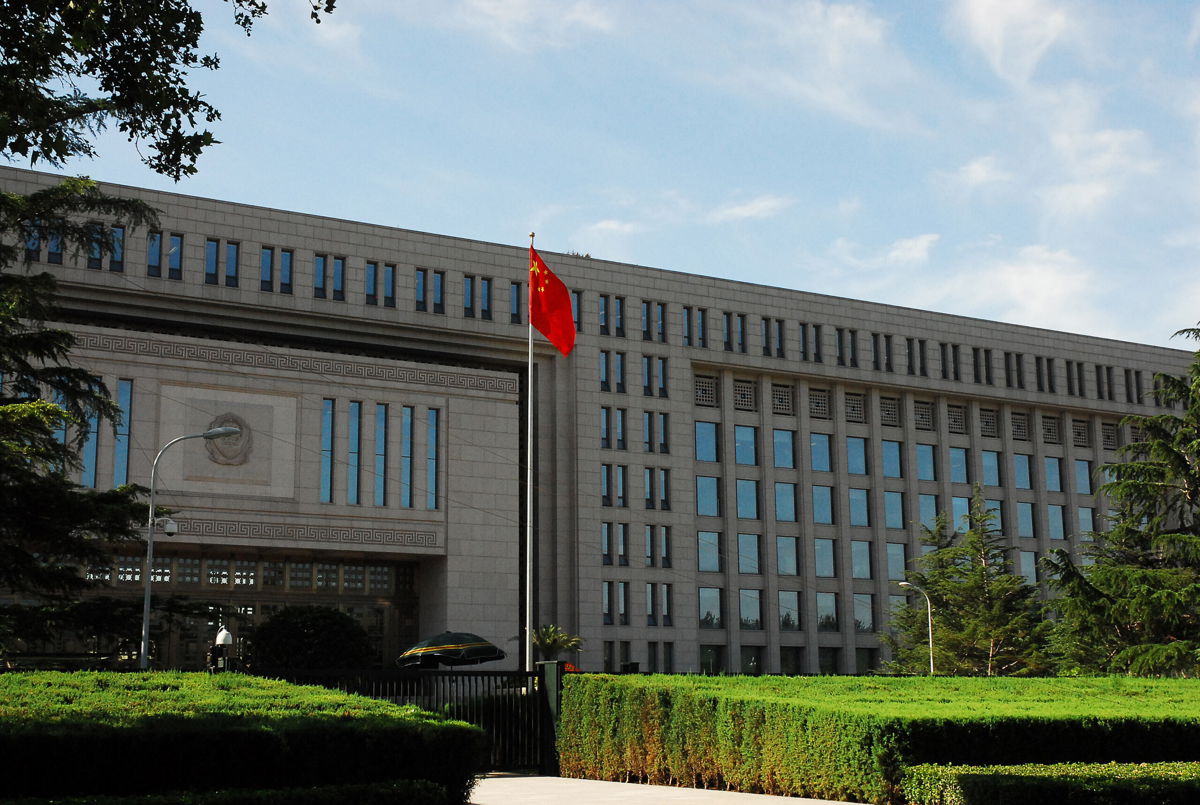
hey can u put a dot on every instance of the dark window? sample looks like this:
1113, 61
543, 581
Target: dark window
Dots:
339, 279
285, 270
212, 259
154, 254
266, 272
320, 268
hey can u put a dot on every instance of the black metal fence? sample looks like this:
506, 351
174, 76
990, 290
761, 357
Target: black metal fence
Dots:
512, 707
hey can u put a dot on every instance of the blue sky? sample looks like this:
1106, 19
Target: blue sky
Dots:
1030, 161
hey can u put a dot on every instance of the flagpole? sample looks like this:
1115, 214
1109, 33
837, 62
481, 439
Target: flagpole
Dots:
529, 567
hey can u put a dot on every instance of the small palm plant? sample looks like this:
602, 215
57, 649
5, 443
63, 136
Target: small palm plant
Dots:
549, 642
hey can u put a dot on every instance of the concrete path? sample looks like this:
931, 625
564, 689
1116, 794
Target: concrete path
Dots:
513, 789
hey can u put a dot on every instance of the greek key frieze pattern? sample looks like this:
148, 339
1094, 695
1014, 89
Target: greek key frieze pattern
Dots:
233, 356
293, 532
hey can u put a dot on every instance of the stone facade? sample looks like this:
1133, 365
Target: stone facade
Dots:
686, 517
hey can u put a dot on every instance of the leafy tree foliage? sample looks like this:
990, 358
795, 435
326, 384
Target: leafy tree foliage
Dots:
987, 621
72, 67
310, 638
549, 642
68, 69
1133, 605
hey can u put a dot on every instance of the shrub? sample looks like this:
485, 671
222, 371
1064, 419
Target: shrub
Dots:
306, 638
1055, 784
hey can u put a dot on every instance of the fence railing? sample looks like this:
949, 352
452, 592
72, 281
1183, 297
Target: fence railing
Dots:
512, 707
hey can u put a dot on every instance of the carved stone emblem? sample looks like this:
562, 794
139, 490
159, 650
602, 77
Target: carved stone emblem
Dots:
230, 450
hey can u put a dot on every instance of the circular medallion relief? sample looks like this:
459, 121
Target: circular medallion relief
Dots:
230, 450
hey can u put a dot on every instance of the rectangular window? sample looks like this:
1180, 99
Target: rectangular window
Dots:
381, 443
514, 302
619, 372
648, 485
785, 502
439, 292
606, 596
893, 509
623, 544
687, 326
864, 612
1054, 522
339, 279
748, 562
860, 512
745, 444
702, 327
991, 467
819, 458
822, 504
1083, 476
89, 452
747, 499
421, 290
212, 259
353, 452
784, 448
1053, 471
54, 249
95, 251
1025, 519
827, 614
406, 456
892, 464
619, 316
175, 257
897, 562
485, 298
371, 282
856, 455
660, 322
232, 264
645, 320
1022, 477
389, 285
750, 609
619, 491
664, 546
320, 275
787, 557
960, 509
789, 611
665, 609
860, 559
602, 313
928, 510
285, 271
326, 488
431, 459
266, 269
927, 463
606, 543
958, 466
825, 561
708, 499
707, 442
116, 258
651, 609
708, 551
660, 376
710, 608
468, 296
1086, 516
121, 441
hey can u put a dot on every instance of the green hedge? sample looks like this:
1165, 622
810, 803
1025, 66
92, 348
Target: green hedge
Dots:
410, 792
840, 738
140, 733
1056, 784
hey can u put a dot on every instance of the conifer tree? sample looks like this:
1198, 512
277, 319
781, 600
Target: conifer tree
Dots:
987, 621
1133, 604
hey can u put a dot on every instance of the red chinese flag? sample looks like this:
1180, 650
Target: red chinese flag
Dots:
550, 305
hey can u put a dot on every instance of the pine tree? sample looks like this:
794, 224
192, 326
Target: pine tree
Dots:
1133, 604
987, 621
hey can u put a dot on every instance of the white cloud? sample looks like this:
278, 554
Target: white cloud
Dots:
766, 206
911, 250
532, 24
836, 57
979, 173
1012, 35
905, 252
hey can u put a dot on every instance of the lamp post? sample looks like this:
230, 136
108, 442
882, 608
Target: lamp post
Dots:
214, 433
929, 613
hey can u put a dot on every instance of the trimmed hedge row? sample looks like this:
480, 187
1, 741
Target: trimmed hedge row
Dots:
410, 792
1056, 784
787, 738
124, 733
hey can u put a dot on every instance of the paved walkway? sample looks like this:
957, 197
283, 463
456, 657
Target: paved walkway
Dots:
514, 789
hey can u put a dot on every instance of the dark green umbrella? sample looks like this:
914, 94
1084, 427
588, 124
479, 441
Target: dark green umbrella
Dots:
451, 648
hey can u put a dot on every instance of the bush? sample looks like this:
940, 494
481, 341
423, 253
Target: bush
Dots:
410, 792
852, 738
306, 638
1056, 784
179, 731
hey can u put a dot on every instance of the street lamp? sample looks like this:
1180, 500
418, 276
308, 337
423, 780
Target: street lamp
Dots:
214, 433
929, 613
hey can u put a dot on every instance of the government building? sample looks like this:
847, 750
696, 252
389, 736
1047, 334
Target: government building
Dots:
727, 477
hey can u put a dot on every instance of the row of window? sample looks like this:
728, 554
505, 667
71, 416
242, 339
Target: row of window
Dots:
656, 430
957, 462
895, 512
820, 407
289, 576
656, 484
654, 374
369, 461
615, 546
